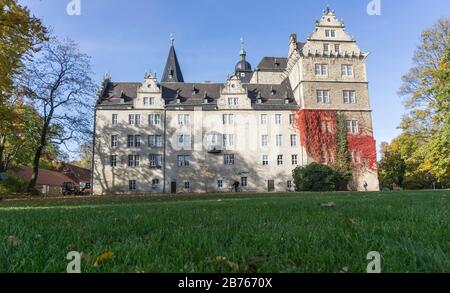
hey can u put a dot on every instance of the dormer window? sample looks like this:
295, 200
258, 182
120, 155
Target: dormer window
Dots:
149, 101
233, 101
330, 33
242, 74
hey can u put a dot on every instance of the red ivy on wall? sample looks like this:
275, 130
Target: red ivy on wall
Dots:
365, 146
318, 130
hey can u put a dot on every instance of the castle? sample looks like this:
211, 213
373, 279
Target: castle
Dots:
173, 136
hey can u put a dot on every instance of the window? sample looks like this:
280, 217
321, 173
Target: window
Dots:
293, 140
323, 96
155, 141
187, 185
133, 160
264, 140
263, 119
244, 181
280, 160
154, 119
355, 157
347, 69
279, 140
131, 119
228, 140
294, 160
131, 185
219, 183
183, 160
228, 119
130, 141
113, 160
321, 69
137, 141
326, 126
184, 141
289, 184
277, 118
337, 48
352, 126
114, 141
134, 119
155, 161
115, 119
349, 97
291, 119
265, 160
133, 141
149, 101
155, 183
326, 48
330, 33
228, 159
184, 119
233, 101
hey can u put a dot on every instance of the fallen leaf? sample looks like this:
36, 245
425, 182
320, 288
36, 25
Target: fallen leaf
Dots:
254, 263
344, 270
328, 205
354, 221
103, 257
86, 257
13, 240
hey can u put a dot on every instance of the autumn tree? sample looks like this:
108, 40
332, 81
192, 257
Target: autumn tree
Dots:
58, 83
20, 34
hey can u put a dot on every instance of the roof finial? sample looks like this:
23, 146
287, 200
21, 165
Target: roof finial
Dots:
172, 39
242, 43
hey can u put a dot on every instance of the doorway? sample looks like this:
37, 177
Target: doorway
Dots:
270, 185
173, 187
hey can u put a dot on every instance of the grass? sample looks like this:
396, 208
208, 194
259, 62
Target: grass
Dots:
229, 233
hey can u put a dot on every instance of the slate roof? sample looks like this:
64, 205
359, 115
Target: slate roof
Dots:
273, 64
273, 96
172, 71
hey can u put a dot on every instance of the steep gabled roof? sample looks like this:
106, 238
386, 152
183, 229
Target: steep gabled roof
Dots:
273, 64
172, 71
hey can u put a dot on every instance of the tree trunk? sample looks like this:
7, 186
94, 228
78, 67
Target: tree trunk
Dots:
37, 156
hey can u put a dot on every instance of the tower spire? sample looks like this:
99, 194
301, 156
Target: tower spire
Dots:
172, 71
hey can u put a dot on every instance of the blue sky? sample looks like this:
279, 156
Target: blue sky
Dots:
130, 37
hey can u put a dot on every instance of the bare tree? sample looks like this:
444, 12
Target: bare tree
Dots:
58, 82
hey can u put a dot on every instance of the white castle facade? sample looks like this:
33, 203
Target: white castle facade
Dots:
170, 136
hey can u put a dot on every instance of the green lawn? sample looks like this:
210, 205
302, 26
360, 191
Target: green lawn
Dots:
264, 233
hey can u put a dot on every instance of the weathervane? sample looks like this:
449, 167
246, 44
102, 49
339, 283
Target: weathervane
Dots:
242, 43
172, 39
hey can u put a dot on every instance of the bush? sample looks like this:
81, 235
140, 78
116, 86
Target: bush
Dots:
13, 184
318, 177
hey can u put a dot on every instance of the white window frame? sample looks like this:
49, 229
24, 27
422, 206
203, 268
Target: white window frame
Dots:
113, 160
228, 159
294, 160
115, 119
280, 160
347, 70
352, 126
155, 160
263, 119
349, 97
264, 140
278, 119
154, 119
228, 119
294, 140
323, 96
279, 140
265, 160
184, 119
132, 185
